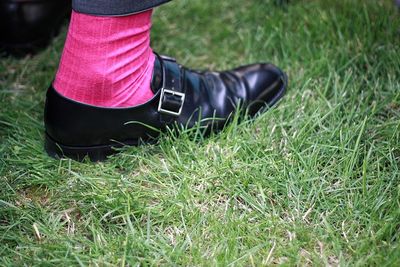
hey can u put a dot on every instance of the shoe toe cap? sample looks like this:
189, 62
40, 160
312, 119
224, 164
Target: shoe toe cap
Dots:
266, 84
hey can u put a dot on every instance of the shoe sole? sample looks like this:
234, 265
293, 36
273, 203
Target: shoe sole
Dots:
100, 153
94, 153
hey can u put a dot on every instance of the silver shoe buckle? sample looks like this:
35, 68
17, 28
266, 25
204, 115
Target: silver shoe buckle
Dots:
173, 93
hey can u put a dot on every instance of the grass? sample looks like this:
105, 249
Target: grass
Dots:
315, 181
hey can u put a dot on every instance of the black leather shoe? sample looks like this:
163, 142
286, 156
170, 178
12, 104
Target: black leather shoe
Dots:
182, 97
28, 25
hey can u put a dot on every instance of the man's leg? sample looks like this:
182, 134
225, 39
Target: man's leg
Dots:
111, 90
107, 60
114, 7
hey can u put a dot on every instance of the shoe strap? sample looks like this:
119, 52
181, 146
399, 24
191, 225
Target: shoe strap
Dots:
172, 97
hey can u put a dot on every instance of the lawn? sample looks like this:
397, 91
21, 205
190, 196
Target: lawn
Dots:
314, 181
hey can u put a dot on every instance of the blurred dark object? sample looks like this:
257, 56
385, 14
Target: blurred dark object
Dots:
26, 26
284, 4
281, 2
397, 2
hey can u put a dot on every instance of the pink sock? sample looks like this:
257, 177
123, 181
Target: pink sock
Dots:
107, 61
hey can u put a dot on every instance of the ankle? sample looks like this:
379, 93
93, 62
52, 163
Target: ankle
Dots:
107, 61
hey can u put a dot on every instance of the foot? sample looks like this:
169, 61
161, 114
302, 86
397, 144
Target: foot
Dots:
181, 97
26, 26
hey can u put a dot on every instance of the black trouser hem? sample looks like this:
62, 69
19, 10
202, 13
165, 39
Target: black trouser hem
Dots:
114, 7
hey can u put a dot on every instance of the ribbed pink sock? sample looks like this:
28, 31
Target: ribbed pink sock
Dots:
107, 61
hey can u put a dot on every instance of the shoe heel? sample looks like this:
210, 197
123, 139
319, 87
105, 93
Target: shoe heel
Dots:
95, 153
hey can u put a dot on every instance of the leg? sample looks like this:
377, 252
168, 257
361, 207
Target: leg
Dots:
114, 7
107, 61
81, 117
